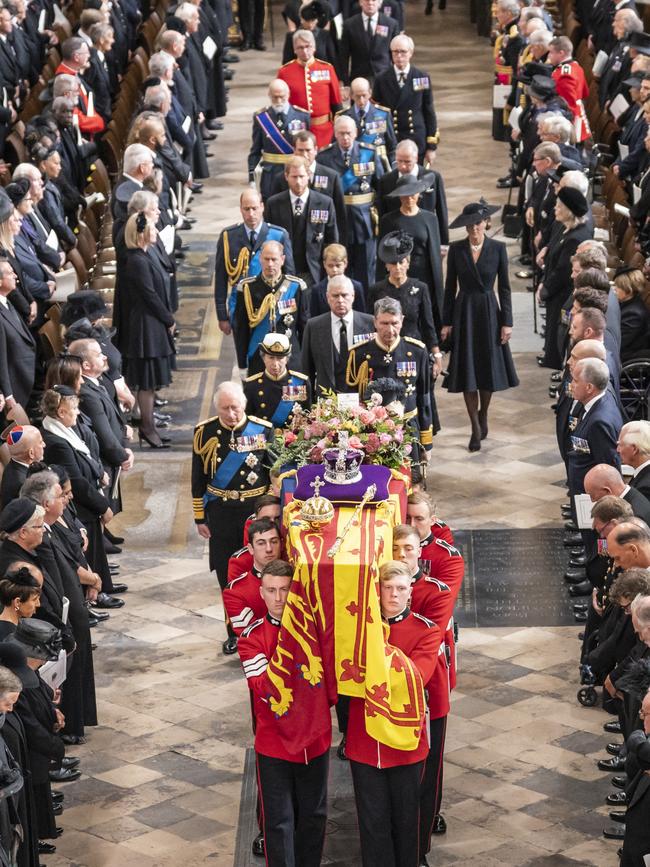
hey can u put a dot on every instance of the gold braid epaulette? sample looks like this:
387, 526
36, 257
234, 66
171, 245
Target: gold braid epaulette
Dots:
268, 305
206, 451
354, 377
240, 267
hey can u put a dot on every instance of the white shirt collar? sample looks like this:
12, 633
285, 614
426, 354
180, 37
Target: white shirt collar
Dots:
399, 72
412, 174
641, 467
91, 378
302, 198
336, 320
374, 18
624, 491
3, 301
593, 401
135, 180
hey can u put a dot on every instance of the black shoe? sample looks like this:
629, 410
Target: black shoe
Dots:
116, 540
258, 846
613, 749
423, 860
580, 616
206, 135
71, 741
120, 588
583, 589
110, 548
616, 763
114, 568
143, 437
105, 601
229, 57
259, 45
504, 178
581, 636
213, 124
57, 809
439, 825
95, 617
580, 606
523, 275
557, 377
58, 831
196, 186
230, 645
566, 511
510, 183
613, 727
57, 797
618, 816
575, 576
340, 750
572, 539
70, 762
577, 552
65, 775
245, 45
620, 782
46, 848
578, 561
614, 832
616, 799
570, 526
525, 259
161, 416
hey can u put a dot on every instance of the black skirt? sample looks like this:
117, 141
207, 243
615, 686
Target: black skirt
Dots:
148, 374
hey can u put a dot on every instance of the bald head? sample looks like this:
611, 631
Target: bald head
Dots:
603, 480
28, 447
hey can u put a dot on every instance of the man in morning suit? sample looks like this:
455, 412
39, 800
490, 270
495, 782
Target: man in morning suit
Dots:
374, 122
365, 43
274, 128
360, 171
407, 91
308, 216
325, 343
238, 253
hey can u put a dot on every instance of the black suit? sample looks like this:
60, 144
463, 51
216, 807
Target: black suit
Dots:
13, 478
640, 504
326, 181
98, 79
318, 350
434, 199
107, 421
362, 55
17, 355
310, 233
641, 482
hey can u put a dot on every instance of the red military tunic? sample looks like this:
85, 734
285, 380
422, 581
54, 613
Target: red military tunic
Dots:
315, 88
89, 121
572, 86
419, 639
430, 598
242, 601
256, 646
240, 563
439, 530
441, 560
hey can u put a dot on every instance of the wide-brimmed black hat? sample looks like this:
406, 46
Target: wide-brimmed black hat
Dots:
277, 345
640, 42
566, 165
394, 247
407, 185
86, 303
474, 213
573, 200
18, 190
317, 10
534, 67
13, 657
542, 87
39, 639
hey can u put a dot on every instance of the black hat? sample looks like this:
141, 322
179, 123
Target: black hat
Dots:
390, 389
87, 302
573, 200
319, 10
39, 639
6, 206
13, 657
18, 190
152, 81
542, 87
625, 269
394, 247
474, 213
65, 390
534, 67
633, 81
172, 22
566, 165
640, 42
407, 185
16, 514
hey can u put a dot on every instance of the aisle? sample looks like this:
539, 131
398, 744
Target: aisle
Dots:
163, 773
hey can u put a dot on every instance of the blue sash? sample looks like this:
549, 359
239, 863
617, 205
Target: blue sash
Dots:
234, 461
254, 264
262, 329
348, 178
273, 133
281, 414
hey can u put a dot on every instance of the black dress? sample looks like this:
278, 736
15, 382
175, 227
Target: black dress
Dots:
13, 735
426, 260
478, 360
148, 351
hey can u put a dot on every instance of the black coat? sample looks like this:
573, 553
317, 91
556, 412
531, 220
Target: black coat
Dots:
13, 478
318, 349
98, 79
641, 482
85, 475
599, 428
416, 306
414, 116
324, 180
13, 734
478, 359
363, 56
634, 327
149, 315
52, 208
17, 355
434, 199
318, 298
107, 422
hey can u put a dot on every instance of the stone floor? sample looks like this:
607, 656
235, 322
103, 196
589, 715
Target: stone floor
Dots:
162, 773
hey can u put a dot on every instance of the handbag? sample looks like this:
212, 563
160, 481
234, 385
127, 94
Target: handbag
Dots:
512, 220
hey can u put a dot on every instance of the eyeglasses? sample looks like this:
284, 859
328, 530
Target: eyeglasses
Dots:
399, 51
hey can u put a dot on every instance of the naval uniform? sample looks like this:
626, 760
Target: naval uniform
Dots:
274, 399
406, 360
272, 143
228, 472
360, 170
386, 780
315, 88
414, 115
375, 127
292, 787
261, 308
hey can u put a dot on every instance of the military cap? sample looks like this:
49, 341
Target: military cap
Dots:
277, 345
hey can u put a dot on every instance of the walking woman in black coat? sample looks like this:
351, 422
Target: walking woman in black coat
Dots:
478, 327
148, 353
568, 231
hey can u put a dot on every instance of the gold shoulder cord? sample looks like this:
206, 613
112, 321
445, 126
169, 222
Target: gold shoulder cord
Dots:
354, 377
206, 451
268, 305
240, 267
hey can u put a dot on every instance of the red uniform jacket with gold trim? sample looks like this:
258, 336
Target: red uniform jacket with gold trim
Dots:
316, 89
242, 601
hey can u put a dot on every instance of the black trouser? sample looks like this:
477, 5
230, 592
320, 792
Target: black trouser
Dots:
251, 19
388, 808
342, 708
226, 521
294, 810
431, 788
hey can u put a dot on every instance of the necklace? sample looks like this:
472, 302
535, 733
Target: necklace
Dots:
476, 247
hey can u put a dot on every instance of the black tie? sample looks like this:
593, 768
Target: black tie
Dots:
369, 27
362, 119
297, 208
253, 238
402, 79
280, 120
343, 341
346, 159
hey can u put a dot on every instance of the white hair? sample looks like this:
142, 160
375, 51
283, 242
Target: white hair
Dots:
160, 63
637, 433
232, 388
305, 35
134, 155
575, 179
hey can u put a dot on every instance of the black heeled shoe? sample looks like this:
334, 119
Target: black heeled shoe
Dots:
151, 443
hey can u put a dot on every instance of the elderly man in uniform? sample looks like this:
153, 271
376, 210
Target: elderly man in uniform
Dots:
274, 128
272, 301
228, 472
374, 122
507, 46
273, 393
313, 85
406, 359
239, 250
360, 171
308, 216
407, 91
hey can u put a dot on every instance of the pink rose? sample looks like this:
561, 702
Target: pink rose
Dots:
408, 448
366, 417
398, 436
321, 444
385, 439
355, 443
335, 422
289, 437
372, 444
389, 424
380, 412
